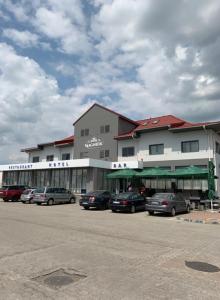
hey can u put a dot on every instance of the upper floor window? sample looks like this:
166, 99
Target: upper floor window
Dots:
104, 153
217, 147
83, 154
127, 151
50, 157
156, 149
190, 146
85, 132
65, 156
35, 159
105, 129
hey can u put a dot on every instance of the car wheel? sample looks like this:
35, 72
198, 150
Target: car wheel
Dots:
113, 210
86, 208
38, 203
133, 210
151, 213
50, 202
173, 212
31, 201
72, 200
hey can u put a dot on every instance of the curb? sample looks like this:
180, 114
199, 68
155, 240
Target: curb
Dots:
199, 221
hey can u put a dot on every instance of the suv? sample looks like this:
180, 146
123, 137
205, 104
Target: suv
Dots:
53, 195
11, 192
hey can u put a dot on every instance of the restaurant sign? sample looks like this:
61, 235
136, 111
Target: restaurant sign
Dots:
94, 142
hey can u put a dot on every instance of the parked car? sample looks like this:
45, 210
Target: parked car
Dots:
170, 203
96, 199
53, 195
129, 201
28, 196
11, 192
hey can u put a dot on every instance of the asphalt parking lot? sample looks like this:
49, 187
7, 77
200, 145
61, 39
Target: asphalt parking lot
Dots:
65, 252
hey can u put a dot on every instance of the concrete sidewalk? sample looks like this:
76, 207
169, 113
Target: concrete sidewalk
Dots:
204, 217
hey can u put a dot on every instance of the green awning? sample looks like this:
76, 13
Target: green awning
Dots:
190, 172
153, 173
123, 173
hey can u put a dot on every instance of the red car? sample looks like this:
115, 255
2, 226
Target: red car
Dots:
11, 192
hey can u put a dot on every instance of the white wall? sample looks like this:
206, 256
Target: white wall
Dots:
1, 174
51, 150
172, 146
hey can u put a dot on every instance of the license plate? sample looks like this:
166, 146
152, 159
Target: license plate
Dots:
85, 203
116, 202
154, 202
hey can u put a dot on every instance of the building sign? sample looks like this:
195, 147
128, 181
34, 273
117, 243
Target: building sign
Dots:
73, 163
58, 164
20, 167
127, 164
120, 165
94, 142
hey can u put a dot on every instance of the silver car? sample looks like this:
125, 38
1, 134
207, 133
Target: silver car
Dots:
27, 196
170, 203
53, 195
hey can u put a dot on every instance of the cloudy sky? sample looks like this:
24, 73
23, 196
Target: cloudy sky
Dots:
143, 58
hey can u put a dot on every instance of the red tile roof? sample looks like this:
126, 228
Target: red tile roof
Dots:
67, 140
169, 122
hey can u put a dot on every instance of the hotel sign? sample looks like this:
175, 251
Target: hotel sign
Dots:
94, 142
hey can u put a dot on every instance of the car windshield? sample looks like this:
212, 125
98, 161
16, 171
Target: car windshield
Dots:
26, 192
40, 190
162, 196
95, 193
124, 196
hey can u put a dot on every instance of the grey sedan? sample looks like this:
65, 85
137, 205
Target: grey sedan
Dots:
170, 203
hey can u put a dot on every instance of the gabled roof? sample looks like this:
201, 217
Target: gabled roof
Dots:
109, 110
168, 122
159, 122
66, 141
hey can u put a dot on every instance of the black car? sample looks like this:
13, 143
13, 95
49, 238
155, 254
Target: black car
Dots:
129, 201
96, 199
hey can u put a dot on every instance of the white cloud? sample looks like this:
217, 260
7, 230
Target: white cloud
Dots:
56, 24
21, 38
31, 104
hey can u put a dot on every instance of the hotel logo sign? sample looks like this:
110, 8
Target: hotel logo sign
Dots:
94, 142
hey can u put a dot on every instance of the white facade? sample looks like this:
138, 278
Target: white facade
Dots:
56, 151
172, 146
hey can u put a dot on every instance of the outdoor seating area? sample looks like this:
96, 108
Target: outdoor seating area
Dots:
196, 183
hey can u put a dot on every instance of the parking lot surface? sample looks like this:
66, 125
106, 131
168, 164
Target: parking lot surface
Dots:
65, 252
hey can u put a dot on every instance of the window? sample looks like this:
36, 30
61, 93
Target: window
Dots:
102, 153
85, 132
65, 156
105, 129
156, 149
83, 154
35, 159
217, 148
190, 146
49, 157
107, 152
127, 151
